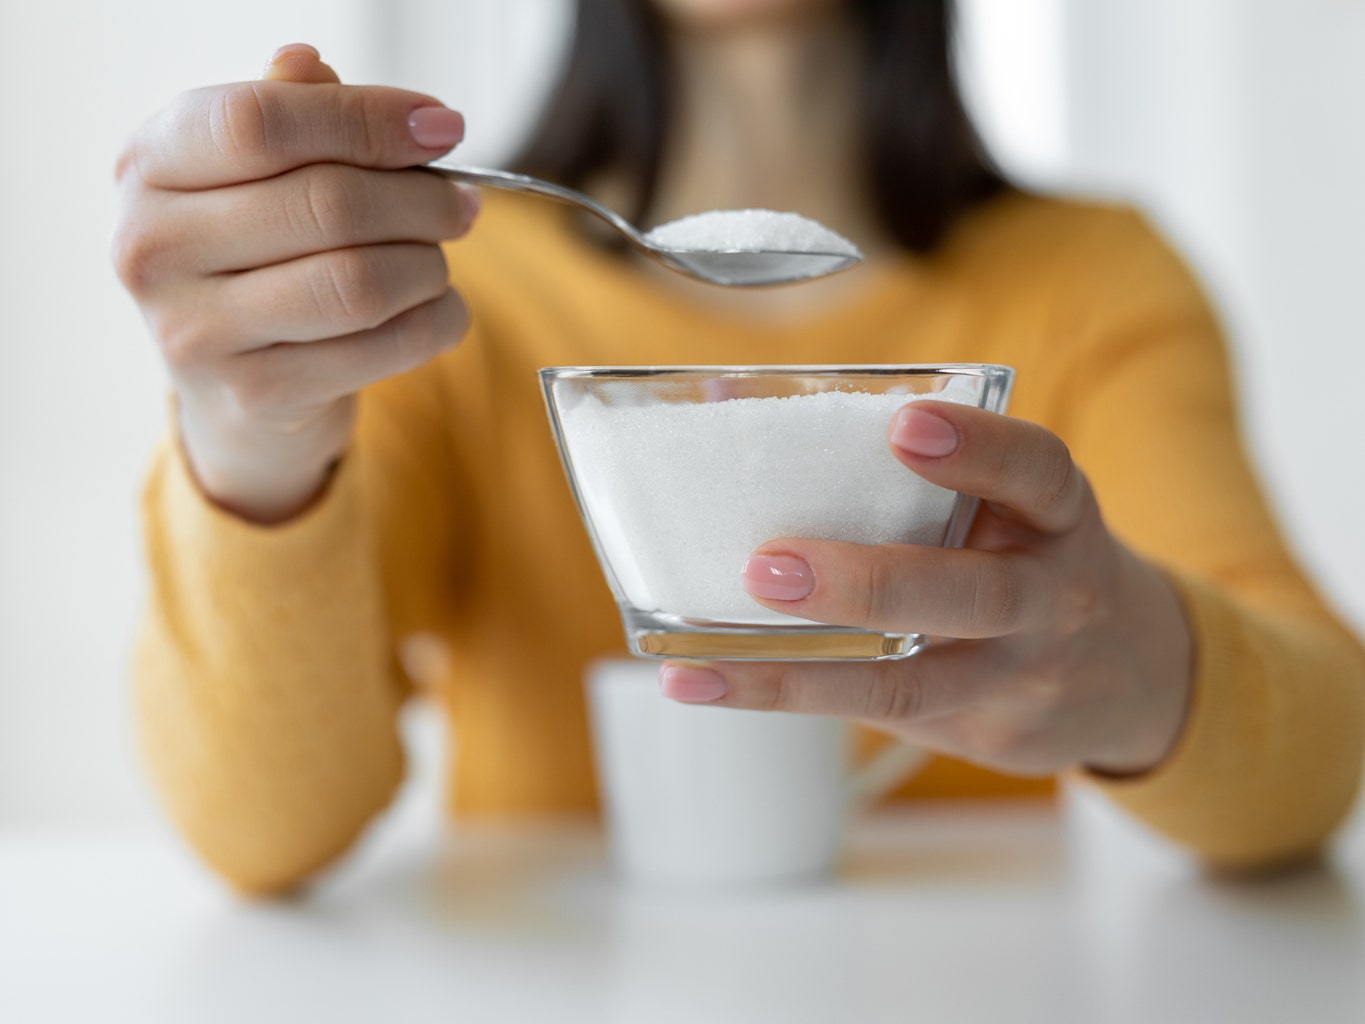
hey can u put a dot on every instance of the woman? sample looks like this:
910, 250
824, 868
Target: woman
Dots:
301, 537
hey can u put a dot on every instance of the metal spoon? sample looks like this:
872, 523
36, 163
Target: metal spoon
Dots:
737, 267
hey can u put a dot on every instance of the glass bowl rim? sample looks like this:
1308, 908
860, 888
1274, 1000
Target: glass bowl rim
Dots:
988, 370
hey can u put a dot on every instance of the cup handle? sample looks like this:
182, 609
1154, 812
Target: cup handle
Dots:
882, 774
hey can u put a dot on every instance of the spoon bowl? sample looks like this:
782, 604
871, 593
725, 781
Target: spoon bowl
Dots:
731, 267
743, 268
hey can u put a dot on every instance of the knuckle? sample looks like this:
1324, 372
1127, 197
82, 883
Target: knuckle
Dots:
1046, 693
329, 208
997, 599
349, 291
138, 252
240, 119
411, 340
456, 212
430, 275
455, 319
775, 689
364, 118
999, 470
437, 267
186, 341
872, 588
1057, 481
893, 699
128, 160
430, 330
996, 741
255, 390
1082, 602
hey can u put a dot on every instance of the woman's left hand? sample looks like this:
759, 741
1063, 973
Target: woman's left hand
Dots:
1061, 646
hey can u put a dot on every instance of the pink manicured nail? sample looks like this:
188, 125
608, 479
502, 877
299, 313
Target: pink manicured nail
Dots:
777, 577
692, 685
920, 432
436, 127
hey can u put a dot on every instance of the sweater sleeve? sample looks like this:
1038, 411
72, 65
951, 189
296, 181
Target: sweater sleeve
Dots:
1270, 755
265, 678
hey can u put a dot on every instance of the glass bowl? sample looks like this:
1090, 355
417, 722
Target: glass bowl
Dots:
681, 472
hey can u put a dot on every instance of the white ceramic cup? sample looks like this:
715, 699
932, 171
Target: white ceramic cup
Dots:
696, 794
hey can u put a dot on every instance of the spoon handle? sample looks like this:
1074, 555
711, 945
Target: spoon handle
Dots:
513, 182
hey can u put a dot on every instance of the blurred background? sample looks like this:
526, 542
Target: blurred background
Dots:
1235, 123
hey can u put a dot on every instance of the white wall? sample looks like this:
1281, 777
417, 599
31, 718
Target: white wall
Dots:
81, 393
493, 60
1304, 69
1238, 120
1238, 123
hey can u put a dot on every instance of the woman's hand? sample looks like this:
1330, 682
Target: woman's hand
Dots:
1066, 647
285, 256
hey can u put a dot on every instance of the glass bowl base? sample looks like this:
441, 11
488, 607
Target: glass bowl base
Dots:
656, 635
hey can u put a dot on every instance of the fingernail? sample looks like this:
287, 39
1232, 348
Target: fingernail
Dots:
692, 685
777, 577
292, 49
920, 432
436, 127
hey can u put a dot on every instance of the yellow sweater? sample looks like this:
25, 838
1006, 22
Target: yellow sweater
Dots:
268, 672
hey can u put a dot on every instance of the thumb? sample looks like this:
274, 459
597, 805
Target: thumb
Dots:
298, 62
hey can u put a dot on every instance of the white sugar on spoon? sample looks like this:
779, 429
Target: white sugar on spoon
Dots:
750, 247
751, 231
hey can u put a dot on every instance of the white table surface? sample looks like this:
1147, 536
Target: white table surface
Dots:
945, 913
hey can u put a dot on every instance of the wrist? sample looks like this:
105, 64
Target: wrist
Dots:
1152, 712
266, 473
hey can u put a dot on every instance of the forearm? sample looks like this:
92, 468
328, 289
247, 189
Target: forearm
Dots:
265, 697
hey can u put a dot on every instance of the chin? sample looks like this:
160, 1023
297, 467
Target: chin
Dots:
719, 14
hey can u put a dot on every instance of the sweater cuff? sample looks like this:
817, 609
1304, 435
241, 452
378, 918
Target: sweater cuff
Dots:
231, 549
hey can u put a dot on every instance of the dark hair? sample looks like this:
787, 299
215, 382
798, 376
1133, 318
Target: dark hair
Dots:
925, 163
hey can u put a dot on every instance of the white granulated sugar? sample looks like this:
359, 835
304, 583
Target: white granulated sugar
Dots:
746, 230
681, 494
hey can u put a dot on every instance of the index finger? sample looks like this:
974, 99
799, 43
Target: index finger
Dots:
1019, 467
229, 134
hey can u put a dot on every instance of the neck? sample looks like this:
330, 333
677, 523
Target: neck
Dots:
762, 118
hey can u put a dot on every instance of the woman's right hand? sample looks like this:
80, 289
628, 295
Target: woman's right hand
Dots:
285, 254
